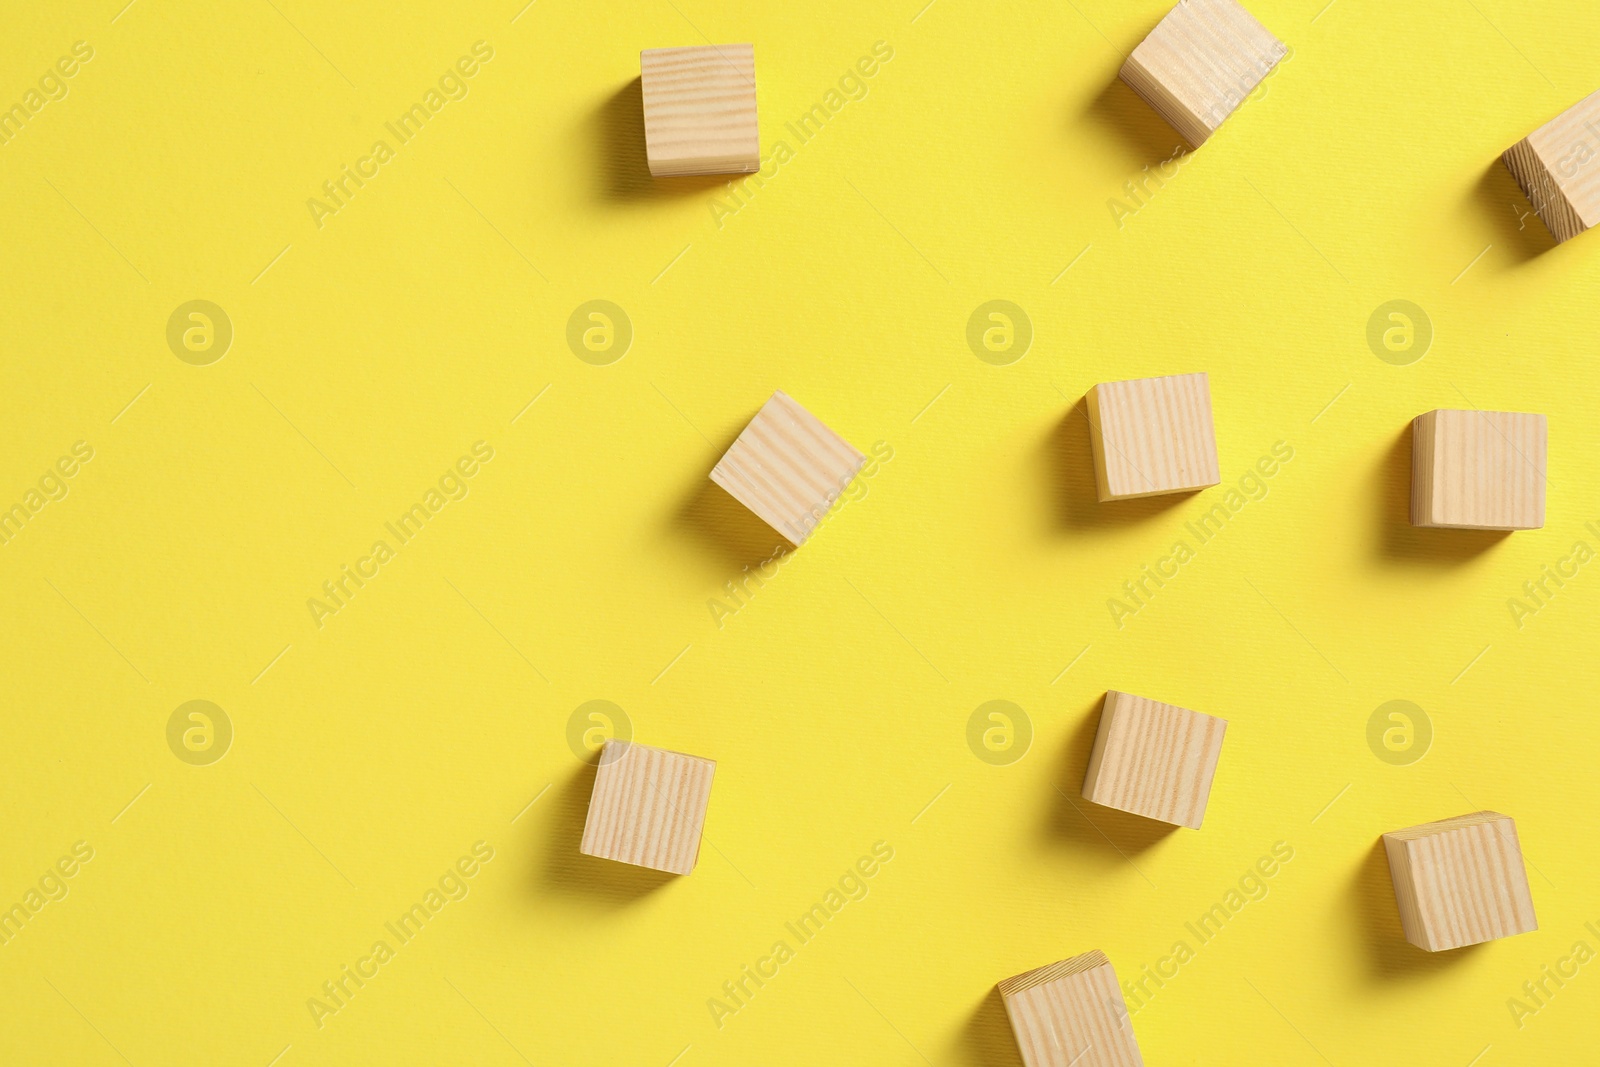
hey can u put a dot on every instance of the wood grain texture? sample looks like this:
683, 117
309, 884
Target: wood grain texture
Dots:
1152, 435
788, 468
1558, 167
1154, 759
648, 807
700, 110
1478, 470
1460, 881
1071, 1014
1199, 64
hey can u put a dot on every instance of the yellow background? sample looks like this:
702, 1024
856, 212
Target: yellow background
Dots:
369, 354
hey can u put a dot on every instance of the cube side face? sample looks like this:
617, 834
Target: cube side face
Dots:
700, 110
1479, 470
1199, 64
788, 468
1153, 436
1566, 151
648, 807
1155, 760
1539, 185
1460, 882
1076, 1019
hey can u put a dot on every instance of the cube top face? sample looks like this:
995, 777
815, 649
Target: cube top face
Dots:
1558, 167
648, 807
1071, 1014
1154, 759
788, 468
1460, 881
700, 110
1153, 435
1199, 64
1478, 470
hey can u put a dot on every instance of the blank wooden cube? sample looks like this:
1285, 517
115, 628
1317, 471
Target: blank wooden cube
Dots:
1152, 435
1460, 881
648, 807
1558, 166
1478, 470
1154, 759
1071, 1014
700, 110
788, 468
1199, 64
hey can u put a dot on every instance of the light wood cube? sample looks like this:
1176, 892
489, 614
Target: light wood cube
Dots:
788, 468
1152, 435
1199, 64
1071, 1014
1478, 470
1154, 759
1558, 166
700, 110
648, 807
1460, 881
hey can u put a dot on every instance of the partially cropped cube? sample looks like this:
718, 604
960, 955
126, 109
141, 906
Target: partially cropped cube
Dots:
1478, 470
648, 807
1558, 167
1154, 759
788, 468
1460, 881
1152, 435
700, 110
1199, 64
1071, 1014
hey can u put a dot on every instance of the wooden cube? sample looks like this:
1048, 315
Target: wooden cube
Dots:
1558, 166
700, 110
788, 468
1199, 64
648, 807
1071, 1014
1152, 435
1460, 881
1478, 470
1154, 759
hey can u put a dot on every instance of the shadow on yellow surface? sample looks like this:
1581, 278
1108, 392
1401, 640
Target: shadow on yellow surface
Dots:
625, 169
1377, 917
1074, 496
1119, 114
1401, 542
1517, 229
1089, 826
986, 1039
566, 870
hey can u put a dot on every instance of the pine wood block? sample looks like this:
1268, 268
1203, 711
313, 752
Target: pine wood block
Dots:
1071, 1014
1154, 759
1460, 881
1558, 167
788, 468
648, 807
1199, 64
1152, 435
1478, 470
700, 110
